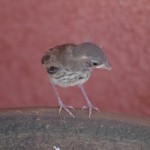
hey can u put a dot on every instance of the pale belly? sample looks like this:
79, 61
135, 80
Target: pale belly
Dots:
66, 79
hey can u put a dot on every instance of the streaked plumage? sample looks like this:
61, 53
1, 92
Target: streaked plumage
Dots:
71, 64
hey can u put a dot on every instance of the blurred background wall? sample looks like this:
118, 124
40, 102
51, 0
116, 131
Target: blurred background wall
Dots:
122, 27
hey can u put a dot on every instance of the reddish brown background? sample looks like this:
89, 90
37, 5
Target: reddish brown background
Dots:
28, 28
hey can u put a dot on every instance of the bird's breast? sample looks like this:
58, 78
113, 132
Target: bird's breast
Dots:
66, 78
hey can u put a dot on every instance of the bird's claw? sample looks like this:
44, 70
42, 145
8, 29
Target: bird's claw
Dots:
90, 107
66, 107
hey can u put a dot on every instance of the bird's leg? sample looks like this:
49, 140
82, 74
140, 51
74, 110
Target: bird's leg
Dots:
89, 104
60, 102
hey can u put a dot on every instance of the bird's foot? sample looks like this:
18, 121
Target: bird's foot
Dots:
90, 107
66, 107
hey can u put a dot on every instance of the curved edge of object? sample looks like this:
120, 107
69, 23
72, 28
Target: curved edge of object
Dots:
43, 128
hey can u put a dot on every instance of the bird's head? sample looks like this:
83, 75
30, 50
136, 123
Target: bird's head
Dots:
92, 55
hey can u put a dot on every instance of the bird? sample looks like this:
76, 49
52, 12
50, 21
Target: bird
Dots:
71, 64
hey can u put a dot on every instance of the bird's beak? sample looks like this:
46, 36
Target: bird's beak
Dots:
106, 65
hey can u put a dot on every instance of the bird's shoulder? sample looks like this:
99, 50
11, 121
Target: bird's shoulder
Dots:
57, 51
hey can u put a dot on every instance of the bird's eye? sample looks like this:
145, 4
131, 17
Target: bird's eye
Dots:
52, 70
95, 63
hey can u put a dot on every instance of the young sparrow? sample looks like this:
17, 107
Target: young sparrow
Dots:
71, 65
